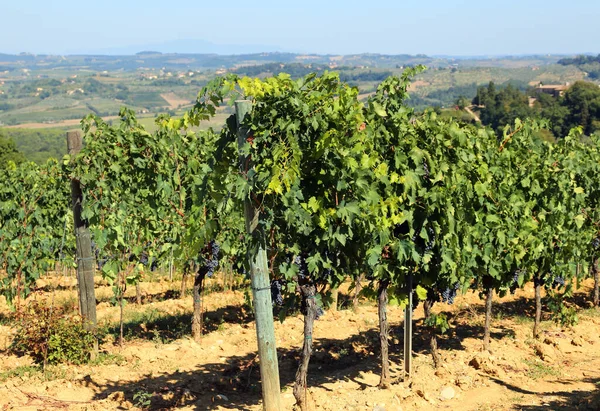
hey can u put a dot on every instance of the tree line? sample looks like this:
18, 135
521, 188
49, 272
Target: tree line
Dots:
589, 64
578, 106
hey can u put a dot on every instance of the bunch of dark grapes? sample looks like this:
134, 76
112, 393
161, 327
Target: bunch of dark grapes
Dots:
319, 312
430, 243
212, 262
100, 262
154, 265
276, 288
559, 281
300, 261
449, 294
426, 170
515, 281
144, 259
596, 243
516, 275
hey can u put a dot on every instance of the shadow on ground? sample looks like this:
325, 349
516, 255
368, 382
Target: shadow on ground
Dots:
235, 383
560, 400
155, 325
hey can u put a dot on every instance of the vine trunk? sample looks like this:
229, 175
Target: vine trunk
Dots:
488, 318
309, 309
382, 300
183, 281
538, 309
197, 318
596, 297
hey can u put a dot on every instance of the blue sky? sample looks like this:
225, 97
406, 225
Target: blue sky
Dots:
434, 27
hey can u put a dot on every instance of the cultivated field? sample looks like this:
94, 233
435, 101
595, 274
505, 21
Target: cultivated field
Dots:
161, 367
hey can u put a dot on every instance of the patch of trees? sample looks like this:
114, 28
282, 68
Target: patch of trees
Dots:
293, 69
9, 152
365, 76
501, 106
297, 70
37, 145
198, 83
168, 82
583, 103
589, 64
579, 106
579, 60
25, 89
93, 86
442, 98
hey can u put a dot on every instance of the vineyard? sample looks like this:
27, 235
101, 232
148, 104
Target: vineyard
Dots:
306, 210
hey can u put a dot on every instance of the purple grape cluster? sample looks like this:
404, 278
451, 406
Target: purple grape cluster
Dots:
154, 265
515, 281
596, 242
300, 261
276, 288
99, 261
212, 262
319, 312
449, 294
559, 281
516, 275
426, 170
430, 243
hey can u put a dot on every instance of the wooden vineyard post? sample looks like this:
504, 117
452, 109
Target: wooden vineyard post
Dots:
85, 257
261, 288
408, 329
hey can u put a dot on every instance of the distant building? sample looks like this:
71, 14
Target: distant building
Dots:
532, 101
555, 90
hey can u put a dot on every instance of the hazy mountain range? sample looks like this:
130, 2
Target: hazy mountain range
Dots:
184, 46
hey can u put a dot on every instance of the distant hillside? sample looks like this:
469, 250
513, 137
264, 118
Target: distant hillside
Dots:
588, 64
173, 61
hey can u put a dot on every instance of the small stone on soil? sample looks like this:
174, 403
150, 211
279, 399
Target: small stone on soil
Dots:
447, 394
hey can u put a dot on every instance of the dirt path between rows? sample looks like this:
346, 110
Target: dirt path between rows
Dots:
473, 114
